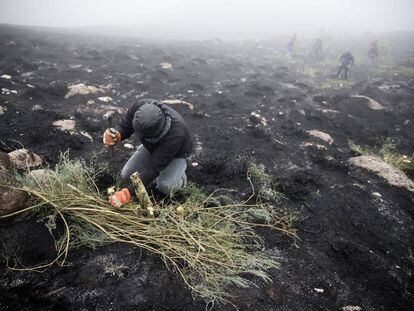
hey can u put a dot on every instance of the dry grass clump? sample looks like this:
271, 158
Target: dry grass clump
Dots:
388, 153
210, 246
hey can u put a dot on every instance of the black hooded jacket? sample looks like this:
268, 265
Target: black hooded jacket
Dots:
176, 143
347, 59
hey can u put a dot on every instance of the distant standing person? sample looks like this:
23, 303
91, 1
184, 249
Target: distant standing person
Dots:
317, 49
161, 159
373, 52
291, 45
345, 62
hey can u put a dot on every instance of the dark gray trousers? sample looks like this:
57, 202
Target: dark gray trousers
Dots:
170, 180
345, 69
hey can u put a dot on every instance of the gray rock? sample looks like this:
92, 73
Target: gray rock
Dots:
11, 200
393, 175
23, 159
37, 108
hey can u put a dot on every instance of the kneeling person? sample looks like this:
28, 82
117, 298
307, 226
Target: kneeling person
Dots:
161, 159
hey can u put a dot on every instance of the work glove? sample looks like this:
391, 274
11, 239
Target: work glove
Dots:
111, 137
120, 198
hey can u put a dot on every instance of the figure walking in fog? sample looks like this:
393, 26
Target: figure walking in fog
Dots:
291, 45
373, 52
345, 63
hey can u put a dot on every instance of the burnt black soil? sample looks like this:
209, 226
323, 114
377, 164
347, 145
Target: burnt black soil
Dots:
355, 244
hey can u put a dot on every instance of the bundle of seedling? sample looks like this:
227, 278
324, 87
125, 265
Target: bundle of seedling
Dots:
209, 241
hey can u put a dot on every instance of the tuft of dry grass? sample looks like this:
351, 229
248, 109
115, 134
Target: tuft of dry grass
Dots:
390, 155
210, 246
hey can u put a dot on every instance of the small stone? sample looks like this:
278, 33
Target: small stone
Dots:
129, 146
37, 108
319, 290
377, 194
90, 102
11, 200
75, 66
23, 159
329, 111
82, 89
321, 135
166, 66
178, 101
65, 125
2, 110
27, 74
7, 77
105, 99
351, 308
87, 135
194, 164
317, 146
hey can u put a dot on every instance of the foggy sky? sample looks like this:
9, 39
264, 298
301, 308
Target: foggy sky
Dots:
217, 18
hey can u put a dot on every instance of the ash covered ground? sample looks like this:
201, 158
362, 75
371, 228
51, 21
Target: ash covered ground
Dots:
356, 230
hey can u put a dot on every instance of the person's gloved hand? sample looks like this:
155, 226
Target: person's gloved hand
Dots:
111, 137
120, 198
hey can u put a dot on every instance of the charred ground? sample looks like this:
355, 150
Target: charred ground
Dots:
355, 245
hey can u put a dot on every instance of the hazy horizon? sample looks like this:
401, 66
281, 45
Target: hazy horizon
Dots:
214, 18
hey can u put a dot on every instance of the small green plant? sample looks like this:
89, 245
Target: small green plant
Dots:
193, 193
267, 188
115, 270
411, 256
357, 149
259, 172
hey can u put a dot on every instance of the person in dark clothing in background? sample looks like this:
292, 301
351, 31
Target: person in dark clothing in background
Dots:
161, 159
345, 62
291, 45
373, 52
317, 49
